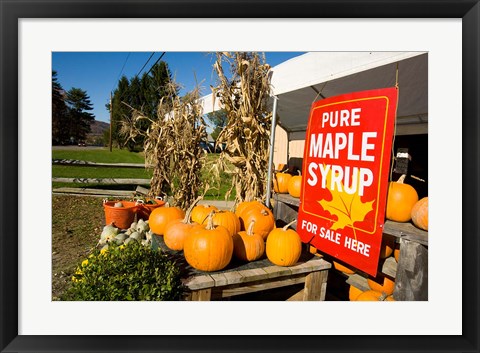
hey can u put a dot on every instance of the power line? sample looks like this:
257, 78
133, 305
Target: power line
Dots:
161, 56
145, 64
121, 70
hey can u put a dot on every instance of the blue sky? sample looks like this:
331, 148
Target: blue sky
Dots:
98, 72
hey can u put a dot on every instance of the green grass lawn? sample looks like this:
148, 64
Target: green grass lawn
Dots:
102, 155
217, 191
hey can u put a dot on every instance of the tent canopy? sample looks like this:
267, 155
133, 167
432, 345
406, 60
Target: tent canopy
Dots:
300, 81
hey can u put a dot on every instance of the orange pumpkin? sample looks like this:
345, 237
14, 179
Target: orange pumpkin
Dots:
400, 200
369, 296
280, 182
386, 287
209, 248
247, 205
344, 269
177, 231
373, 295
386, 249
227, 219
396, 252
201, 212
263, 218
420, 213
247, 245
161, 216
295, 186
284, 246
354, 293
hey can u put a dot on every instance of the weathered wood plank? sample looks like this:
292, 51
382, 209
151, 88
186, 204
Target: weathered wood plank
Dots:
85, 191
79, 163
199, 282
234, 277
261, 286
277, 271
220, 279
411, 281
358, 281
314, 264
389, 267
142, 190
406, 231
254, 274
101, 181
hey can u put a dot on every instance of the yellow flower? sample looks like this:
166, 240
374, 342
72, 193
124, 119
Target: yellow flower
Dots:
74, 279
121, 247
84, 263
103, 251
79, 272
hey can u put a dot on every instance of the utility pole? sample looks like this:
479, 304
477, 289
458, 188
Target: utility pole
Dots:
110, 142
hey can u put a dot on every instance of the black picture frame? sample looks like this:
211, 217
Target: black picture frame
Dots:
11, 11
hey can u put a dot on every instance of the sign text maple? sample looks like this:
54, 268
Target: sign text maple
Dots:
345, 168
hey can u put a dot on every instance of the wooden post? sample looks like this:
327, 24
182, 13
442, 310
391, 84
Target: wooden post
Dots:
315, 286
111, 107
411, 282
202, 295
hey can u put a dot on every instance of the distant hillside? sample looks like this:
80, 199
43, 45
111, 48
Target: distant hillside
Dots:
98, 127
95, 137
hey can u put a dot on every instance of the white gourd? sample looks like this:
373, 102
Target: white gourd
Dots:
120, 238
136, 235
109, 232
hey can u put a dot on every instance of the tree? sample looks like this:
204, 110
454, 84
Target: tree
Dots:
119, 110
140, 94
219, 120
60, 133
79, 118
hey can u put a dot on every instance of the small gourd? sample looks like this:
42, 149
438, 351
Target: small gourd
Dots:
109, 232
136, 235
118, 204
120, 238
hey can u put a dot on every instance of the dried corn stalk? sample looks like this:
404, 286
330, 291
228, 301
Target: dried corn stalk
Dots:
172, 146
247, 133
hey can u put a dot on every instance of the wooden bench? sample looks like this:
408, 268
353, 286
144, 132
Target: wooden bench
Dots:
242, 278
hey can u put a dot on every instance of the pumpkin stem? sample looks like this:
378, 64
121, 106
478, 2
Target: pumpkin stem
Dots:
186, 220
402, 178
250, 227
289, 224
383, 297
210, 224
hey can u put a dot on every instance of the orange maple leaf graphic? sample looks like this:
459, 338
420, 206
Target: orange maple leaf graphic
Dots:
348, 208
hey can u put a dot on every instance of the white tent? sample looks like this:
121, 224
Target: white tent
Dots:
300, 81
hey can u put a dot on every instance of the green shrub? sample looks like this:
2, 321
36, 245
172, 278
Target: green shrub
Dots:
131, 272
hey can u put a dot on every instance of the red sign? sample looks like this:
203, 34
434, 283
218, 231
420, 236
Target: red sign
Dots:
346, 165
